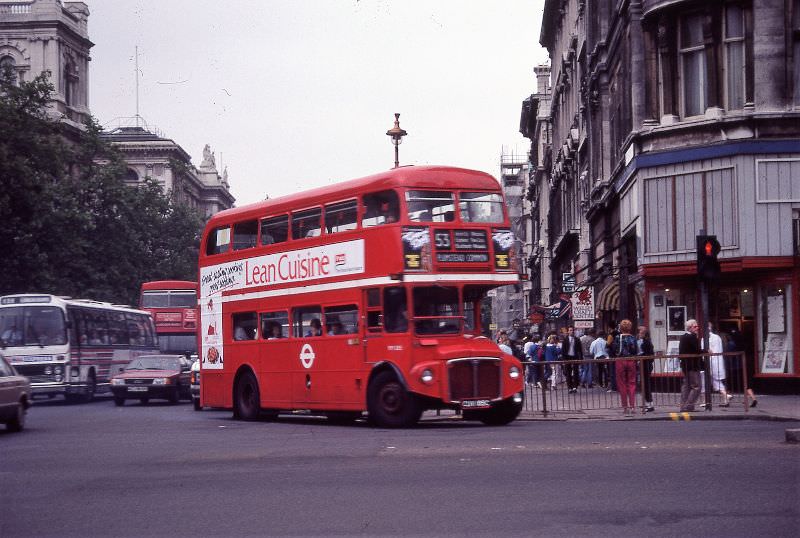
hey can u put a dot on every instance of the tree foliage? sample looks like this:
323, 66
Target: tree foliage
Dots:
68, 223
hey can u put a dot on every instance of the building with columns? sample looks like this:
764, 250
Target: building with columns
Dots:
52, 36
672, 119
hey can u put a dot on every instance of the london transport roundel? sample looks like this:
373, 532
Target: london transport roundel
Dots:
307, 356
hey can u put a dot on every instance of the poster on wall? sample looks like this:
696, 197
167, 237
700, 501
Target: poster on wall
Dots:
776, 317
775, 354
671, 365
676, 319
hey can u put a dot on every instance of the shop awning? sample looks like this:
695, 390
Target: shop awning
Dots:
608, 298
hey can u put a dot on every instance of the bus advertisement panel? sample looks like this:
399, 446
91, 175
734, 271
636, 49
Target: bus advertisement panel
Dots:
363, 296
71, 346
173, 305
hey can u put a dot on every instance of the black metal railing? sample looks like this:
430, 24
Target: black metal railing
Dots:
548, 390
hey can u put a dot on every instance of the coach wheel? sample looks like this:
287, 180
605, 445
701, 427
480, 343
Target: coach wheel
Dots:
390, 405
119, 402
246, 399
91, 387
501, 413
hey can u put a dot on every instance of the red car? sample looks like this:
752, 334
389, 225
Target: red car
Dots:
164, 377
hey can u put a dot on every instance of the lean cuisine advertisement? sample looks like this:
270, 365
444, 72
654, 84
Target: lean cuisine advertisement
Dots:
270, 270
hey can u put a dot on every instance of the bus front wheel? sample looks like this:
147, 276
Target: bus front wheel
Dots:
390, 405
500, 414
246, 399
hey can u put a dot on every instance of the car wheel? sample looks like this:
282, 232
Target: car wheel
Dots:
144, 401
119, 401
390, 405
17, 424
197, 406
246, 398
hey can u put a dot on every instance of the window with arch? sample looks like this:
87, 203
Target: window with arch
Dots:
8, 65
70, 83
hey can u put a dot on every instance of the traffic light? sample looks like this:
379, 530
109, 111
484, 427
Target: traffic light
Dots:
707, 262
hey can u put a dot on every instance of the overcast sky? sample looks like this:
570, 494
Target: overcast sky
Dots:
300, 93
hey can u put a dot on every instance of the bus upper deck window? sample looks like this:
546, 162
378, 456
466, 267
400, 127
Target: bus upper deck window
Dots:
244, 234
306, 223
480, 207
380, 208
430, 206
275, 230
341, 216
219, 241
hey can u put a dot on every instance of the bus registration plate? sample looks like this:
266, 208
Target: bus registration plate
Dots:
476, 404
137, 389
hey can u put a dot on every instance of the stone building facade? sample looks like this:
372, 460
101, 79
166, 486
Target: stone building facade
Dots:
671, 119
52, 36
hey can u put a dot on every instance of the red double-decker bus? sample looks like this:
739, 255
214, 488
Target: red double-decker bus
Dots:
360, 296
173, 305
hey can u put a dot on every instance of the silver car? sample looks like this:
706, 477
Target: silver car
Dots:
15, 397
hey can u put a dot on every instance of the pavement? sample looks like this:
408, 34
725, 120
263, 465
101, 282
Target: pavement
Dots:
770, 407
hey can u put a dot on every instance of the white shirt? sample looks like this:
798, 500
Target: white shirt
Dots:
598, 348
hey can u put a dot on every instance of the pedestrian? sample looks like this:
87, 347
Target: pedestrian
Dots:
645, 347
739, 362
613, 332
552, 352
504, 343
587, 367
689, 344
717, 365
533, 354
571, 351
599, 353
624, 346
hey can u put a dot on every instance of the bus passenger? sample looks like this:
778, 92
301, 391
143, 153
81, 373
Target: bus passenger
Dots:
315, 328
335, 327
275, 331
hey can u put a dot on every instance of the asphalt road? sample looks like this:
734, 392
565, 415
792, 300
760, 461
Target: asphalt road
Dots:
162, 470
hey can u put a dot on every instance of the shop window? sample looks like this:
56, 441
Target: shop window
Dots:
775, 329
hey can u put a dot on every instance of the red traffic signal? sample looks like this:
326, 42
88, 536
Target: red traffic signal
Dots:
707, 263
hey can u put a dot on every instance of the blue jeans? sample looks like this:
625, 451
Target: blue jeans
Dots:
586, 372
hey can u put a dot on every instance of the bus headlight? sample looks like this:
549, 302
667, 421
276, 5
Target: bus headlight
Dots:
427, 376
513, 372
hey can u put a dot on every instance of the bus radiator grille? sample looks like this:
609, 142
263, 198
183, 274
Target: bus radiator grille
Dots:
474, 378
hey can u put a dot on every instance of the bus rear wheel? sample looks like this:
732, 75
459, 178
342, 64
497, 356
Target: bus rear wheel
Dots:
390, 405
246, 398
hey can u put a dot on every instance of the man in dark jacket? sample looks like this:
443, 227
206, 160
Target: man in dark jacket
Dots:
645, 347
571, 351
690, 345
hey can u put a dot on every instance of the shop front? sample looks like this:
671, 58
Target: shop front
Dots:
754, 306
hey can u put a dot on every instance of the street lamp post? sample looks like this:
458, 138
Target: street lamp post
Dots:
397, 134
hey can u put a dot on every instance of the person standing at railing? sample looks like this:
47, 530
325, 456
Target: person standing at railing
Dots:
571, 351
717, 362
690, 366
623, 346
587, 367
645, 347
599, 353
534, 353
551, 353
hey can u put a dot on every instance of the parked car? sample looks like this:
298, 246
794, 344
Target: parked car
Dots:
15, 397
195, 385
153, 376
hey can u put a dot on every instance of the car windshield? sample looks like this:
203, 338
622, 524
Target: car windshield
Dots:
154, 363
32, 326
